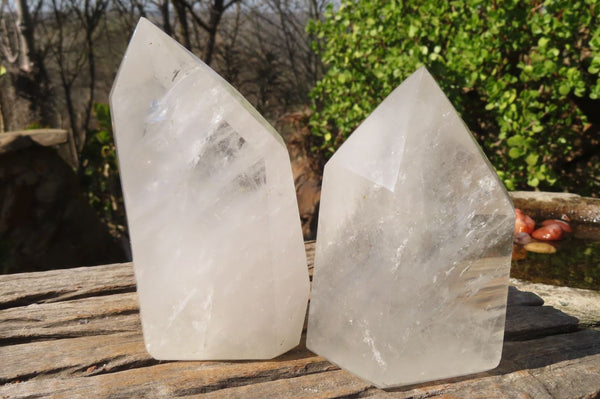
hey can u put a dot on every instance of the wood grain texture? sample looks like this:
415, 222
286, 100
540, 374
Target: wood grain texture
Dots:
76, 334
61, 285
80, 317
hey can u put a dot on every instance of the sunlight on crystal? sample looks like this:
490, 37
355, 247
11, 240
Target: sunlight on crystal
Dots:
413, 246
211, 207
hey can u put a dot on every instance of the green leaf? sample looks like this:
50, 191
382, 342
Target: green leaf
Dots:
564, 89
412, 31
534, 182
514, 153
516, 141
506, 69
531, 159
537, 128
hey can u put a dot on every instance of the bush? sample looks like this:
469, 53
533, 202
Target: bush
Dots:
524, 75
100, 173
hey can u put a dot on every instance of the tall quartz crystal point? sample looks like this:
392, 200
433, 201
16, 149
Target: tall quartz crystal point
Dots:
413, 246
211, 206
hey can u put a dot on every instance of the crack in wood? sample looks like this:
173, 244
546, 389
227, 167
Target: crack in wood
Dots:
60, 296
87, 319
28, 300
55, 336
128, 365
264, 376
95, 293
29, 376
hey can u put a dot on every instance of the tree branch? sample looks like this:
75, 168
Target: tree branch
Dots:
230, 3
195, 17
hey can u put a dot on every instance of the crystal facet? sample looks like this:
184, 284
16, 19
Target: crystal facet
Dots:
211, 207
413, 246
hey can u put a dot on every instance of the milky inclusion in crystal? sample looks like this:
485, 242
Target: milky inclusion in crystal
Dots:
413, 246
211, 207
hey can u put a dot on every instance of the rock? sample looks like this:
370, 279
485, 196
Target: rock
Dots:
45, 221
523, 223
540, 247
547, 205
577, 302
560, 223
522, 238
550, 232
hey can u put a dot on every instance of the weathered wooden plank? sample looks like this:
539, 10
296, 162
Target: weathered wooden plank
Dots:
65, 284
334, 384
80, 317
60, 285
309, 247
543, 352
68, 358
549, 350
576, 378
519, 384
523, 355
176, 379
299, 378
569, 379
99, 355
116, 364
119, 313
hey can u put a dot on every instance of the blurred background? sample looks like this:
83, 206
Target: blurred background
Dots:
524, 75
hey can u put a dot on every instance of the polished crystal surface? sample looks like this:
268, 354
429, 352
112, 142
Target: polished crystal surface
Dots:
413, 246
211, 207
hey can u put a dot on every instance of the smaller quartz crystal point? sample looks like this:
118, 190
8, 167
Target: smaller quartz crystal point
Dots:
413, 246
215, 232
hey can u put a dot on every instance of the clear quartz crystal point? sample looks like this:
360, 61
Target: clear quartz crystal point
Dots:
215, 232
413, 247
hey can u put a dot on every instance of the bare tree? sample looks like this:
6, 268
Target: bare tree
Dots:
2, 73
53, 50
214, 11
69, 60
129, 11
278, 66
25, 58
89, 14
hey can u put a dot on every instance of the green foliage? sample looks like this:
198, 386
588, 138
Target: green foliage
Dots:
100, 172
516, 71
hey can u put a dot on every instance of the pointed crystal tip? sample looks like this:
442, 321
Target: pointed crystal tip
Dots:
211, 209
414, 244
